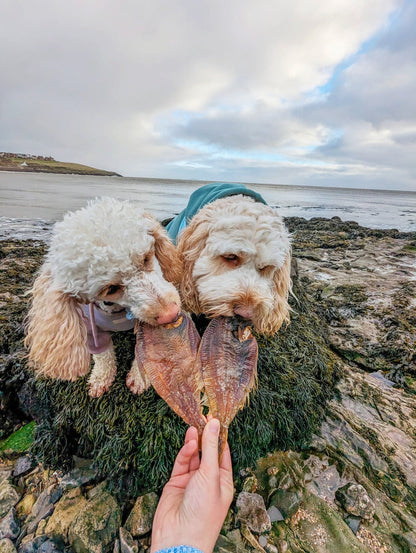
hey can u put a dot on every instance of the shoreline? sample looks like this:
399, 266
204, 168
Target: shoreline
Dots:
39, 229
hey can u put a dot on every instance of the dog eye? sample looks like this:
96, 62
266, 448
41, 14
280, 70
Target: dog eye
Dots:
147, 259
112, 289
265, 270
231, 259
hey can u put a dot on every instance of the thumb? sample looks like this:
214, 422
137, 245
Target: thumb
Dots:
209, 457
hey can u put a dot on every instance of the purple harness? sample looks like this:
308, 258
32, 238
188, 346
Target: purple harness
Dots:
100, 324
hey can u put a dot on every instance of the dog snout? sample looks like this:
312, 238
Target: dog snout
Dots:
245, 311
169, 314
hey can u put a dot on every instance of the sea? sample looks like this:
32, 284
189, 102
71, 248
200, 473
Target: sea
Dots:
31, 202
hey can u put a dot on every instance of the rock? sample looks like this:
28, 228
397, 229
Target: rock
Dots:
46, 499
287, 502
127, 543
355, 500
274, 514
5, 474
319, 527
251, 510
326, 483
40, 530
9, 527
282, 546
263, 541
25, 505
116, 548
24, 465
96, 525
6, 546
65, 512
353, 523
140, 519
42, 544
44, 506
8, 497
236, 539
78, 477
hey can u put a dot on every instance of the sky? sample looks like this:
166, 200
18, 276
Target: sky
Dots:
294, 92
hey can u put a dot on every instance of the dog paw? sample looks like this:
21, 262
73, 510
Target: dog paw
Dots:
136, 385
97, 389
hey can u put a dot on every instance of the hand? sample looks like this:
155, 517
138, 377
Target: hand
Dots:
195, 501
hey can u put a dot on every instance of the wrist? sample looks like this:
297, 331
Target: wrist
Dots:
179, 549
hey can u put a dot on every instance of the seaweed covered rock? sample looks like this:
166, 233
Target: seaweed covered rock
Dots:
134, 439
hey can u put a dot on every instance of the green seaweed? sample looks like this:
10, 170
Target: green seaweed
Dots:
21, 440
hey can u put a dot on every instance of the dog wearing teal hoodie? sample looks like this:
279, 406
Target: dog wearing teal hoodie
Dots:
235, 253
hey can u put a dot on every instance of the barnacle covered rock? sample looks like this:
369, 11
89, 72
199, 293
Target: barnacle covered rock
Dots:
167, 354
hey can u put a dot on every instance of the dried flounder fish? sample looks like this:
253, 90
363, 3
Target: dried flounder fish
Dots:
228, 354
168, 355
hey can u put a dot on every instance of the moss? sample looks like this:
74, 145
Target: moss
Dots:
21, 440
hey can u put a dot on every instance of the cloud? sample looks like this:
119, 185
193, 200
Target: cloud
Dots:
270, 92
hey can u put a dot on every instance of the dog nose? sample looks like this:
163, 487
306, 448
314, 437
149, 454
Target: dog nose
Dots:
169, 315
244, 311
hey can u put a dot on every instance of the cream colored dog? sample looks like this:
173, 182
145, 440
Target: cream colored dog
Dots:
108, 264
235, 256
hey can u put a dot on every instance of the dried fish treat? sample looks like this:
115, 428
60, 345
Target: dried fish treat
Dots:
228, 354
168, 356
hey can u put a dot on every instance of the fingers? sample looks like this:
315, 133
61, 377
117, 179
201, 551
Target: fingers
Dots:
209, 458
186, 453
191, 434
226, 460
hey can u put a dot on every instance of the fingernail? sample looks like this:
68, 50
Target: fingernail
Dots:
214, 426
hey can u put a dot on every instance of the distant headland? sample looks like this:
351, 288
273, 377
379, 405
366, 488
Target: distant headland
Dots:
46, 164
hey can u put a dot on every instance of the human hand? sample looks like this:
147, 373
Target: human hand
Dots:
195, 501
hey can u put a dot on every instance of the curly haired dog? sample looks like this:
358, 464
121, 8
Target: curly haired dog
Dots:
236, 261
108, 264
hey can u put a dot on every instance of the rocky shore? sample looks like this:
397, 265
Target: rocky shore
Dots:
348, 485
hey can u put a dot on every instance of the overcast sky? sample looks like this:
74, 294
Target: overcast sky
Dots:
283, 91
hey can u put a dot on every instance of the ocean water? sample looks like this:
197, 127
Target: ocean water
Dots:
30, 202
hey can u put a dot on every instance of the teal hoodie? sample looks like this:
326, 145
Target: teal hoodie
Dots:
205, 195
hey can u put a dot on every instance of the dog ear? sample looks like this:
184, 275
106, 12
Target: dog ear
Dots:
165, 252
190, 245
56, 335
280, 312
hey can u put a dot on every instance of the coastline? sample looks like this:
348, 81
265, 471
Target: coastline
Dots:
359, 286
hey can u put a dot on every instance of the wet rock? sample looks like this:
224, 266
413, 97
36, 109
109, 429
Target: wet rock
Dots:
65, 512
225, 545
96, 525
141, 516
23, 465
46, 499
353, 523
274, 514
127, 543
9, 527
318, 527
44, 507
78, 477
6, 546
251, 510
287, 502
356, 501
236, 539
325, 483
42, 544
25, 505
8, 497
